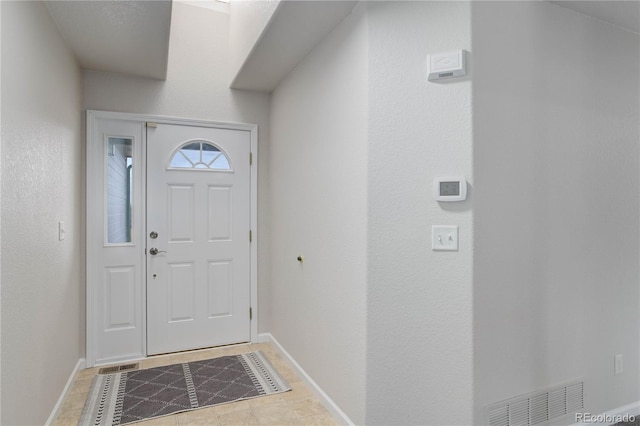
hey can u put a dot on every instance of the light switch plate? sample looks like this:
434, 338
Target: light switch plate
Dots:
61, 233
444, 238
618, 364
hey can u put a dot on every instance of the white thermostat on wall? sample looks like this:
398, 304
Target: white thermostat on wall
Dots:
447, 65
450, 189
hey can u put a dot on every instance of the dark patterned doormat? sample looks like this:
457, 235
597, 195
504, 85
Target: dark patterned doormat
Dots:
132, 396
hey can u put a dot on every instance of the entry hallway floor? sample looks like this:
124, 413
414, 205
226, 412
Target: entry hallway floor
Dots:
296, 407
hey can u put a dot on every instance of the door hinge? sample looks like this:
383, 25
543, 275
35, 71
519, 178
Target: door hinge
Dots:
151, 125
251, 158
250, 236
250, 313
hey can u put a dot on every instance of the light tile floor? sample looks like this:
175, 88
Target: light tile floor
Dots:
296, 407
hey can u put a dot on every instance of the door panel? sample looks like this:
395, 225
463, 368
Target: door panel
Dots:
115, 240
220, 284
119, 298
181, 282
220, 213
198, 203
181, 212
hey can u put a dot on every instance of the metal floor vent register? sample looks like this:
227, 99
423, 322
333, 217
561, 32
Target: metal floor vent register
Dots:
537, 407
118, 368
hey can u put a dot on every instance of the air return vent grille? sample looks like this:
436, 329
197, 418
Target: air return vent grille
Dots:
117, 368
537, 407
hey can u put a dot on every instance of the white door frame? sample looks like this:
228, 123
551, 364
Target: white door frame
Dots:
94, 230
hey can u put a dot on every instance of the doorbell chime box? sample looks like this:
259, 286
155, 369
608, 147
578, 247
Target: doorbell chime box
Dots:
447, 65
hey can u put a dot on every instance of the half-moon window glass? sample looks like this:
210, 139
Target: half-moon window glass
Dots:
199, 155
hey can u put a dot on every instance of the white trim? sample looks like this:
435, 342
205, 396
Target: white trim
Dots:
337, 413
253, 170
56, 408
171, 120
632, 409
91, 119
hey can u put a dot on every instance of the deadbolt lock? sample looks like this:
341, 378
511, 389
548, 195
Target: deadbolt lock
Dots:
153, 235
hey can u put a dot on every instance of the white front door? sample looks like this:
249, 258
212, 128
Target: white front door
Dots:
197, 237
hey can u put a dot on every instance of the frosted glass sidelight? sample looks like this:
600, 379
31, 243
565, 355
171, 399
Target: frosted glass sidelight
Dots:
199, 155
119, 164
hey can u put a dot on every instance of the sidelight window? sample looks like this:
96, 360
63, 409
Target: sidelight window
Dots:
119, 189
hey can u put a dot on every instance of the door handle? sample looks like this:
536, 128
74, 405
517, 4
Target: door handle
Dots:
153, 251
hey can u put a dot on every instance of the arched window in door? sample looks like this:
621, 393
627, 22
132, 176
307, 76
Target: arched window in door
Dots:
199, 155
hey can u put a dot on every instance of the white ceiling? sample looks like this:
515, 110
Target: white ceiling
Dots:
129, 37
132, 37
624, 14
296, 27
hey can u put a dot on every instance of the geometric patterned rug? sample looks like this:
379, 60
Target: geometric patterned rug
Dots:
133, 396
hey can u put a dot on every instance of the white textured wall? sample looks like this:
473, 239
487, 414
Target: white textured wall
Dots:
197, 86
248, 19
319, 209
556, 130
41, 185
0, 215
419, 309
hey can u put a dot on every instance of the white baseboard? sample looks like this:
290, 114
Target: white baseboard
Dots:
56, 409
632, 409
328, 402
